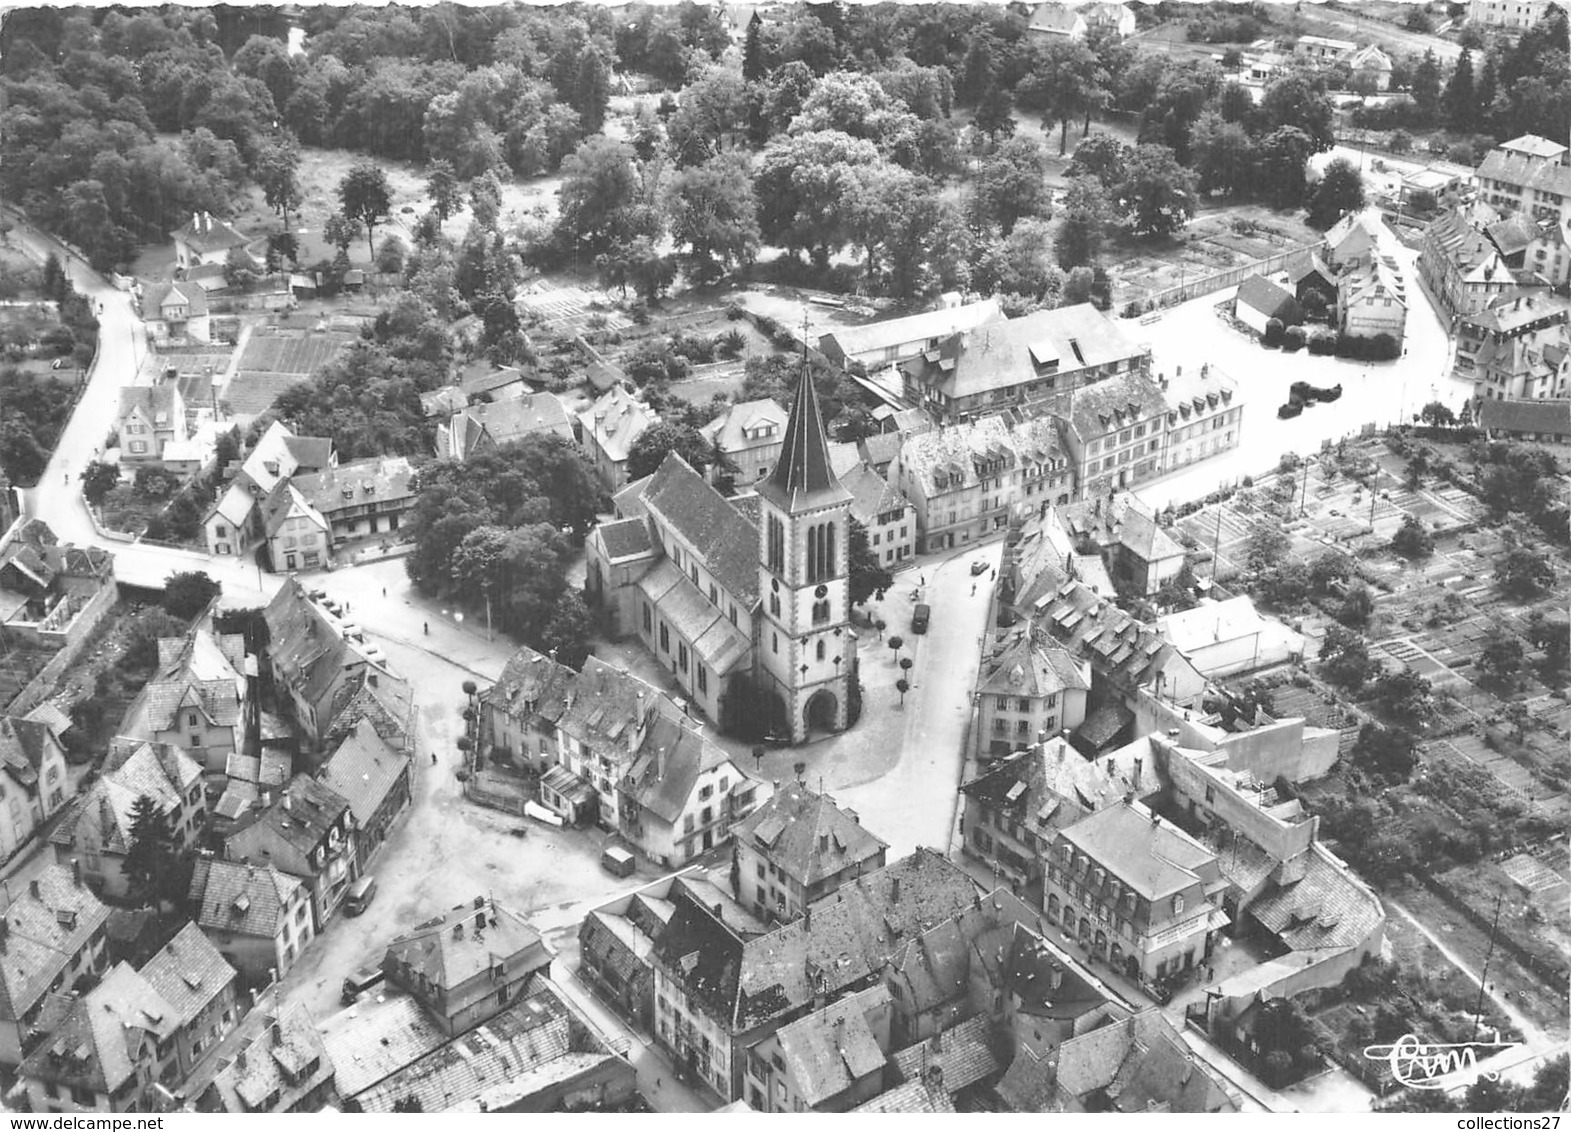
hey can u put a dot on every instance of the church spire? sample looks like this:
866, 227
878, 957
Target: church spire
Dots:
803, 478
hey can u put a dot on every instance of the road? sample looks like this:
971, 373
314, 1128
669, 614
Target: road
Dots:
1380, 393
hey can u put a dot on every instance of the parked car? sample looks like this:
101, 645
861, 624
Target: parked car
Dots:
360, 896
979, 567
618, 862
920, 617
367, 978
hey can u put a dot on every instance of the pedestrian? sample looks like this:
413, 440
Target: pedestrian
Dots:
973, 589
346, 607
384, 591
427, 628
922, 579
68, 479
433, 758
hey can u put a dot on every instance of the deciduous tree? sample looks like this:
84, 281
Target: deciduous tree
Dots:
365, 197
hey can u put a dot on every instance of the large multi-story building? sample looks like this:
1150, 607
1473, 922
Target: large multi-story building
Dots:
1204, 417
1518, 349
749, 435
894, 341
1513, 15
799, 847
1032, 361
887, 515
1033, 688
964, 480
1463, 270
610, 428
1528, 174
1114, 431
715, 593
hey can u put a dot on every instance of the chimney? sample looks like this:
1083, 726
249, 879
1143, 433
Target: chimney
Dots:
196, 222
660, 764
5, 932
76, 872
278, 1033
894, 890
479, 921
33, 887
458, 930
823, 846
207, 221
288, 802
240, 1059
1137, 773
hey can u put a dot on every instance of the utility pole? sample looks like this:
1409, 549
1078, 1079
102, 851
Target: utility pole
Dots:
1216, 544
1483, 977
1303, 495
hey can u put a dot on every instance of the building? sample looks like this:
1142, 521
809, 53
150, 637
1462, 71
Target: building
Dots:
749, 435
279, 1064
539, 1055
1372, 300
1124, 533
258, 917
1322, 50
832, 1060
797, 848
374, 779
206, 240
1542, 422
175, 312
1259, 300
236, 522
96, 829
150, 417
893, 341
610, 427
347, 505
1108, 17
1113, 433
314, 659
1372, 68
682, 794
1140, 893
34, 783
1306, 272
1020, 362
719, 594
888, 516
1529, 174
1204, 419
191, 976
486, 427
1517, 349
1463, 270
51, 594
1352, 242
1139, 1064
964, 481
1512, 15
196, 699
1057, 19
309, 834
1229, 638
468, 965
1031, 688
52, 933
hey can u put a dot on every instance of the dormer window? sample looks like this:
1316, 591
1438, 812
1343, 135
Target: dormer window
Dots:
1178, 905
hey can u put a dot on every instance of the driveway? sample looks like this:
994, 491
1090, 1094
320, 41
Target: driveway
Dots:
1380, 393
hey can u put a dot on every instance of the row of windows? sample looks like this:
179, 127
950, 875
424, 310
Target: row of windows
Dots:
1023, 704
1023, 726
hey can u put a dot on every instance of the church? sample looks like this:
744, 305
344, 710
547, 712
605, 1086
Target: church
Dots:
747, 598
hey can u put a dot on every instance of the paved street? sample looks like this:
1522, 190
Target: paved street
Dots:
1381, 393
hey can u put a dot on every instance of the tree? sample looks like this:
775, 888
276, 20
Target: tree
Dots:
1524, 573
655, 442
1066, 81
1298, 99
995, 113
902, 686
1425, 89
1284, 156
753, 67
601, 202
277, 168
1437, 415
591, 89
98, 480
867, 574
1158, 194
1459, 102
1389, 752
1339, 191
365, 197
55, 284
1103, 158
441, 185
1500, 659
189, 593
1553, 635
152, 866
1012, 185
1345, 659
713, 212
339, 231
1222, 154
1083, 228
1403, 696
1265, 547
1412, 540
806, 186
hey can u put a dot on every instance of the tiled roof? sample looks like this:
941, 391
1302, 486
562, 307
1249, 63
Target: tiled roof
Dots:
276, 1052
1117, 645
615, 421
1372, 284
156, 296
160, 405
371, 1041
1140, 1064
963, 1052
687, 754
1151, 856
1512, 235
871, 494
188, 973
1034, 668
503, 422
913, 1096
728, 431
1525, 171
1116, 403
720, 644
1327, 909
43, 933
285, 502
1304, 263
207, 233
215, 699
1536, 417
971, 450
364, 770
1452, 237
618, 945
287, 831
625, 538
531, 685
484, 377
1003, 354
376, 482
451, 953
310, 453
244, 899
23, 744
807, 836
1352, 231
1121, 521
107, 1035
724, 540
1048, 786
1260, 294
829, 1050
1054, 17
889, 332
803, 478
378, 698
305, 649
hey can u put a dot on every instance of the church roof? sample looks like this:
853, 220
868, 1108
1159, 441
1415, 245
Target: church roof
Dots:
803, 478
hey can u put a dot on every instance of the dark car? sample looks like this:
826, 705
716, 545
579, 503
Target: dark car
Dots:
979, 567
919, 618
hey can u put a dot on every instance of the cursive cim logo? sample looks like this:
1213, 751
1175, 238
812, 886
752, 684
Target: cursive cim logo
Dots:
1419, 1065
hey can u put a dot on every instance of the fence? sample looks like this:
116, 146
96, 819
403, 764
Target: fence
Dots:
1552, 975
1228, 277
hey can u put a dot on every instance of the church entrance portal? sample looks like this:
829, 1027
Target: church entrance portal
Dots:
822, 711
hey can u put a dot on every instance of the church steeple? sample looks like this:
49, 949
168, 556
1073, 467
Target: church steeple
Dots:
803, 478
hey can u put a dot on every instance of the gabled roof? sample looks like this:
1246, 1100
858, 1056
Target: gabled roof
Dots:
829, 1050
531, 686
188, 973
728, 432
277, 1050
364, 770
1352, 230
855, 340
1370, 58
310, 453
1541, 417
1034, 669
1151, 856
241, 899
157, 296
664, 788
380, 482
625, 538
1260, 294
503, 422
803, 478
1531, 145
159, 405
1116, 403
1525, 171
871, 494
807, 836
43, 933
208, 233
1054, 17
1048, 786
23, 745
615, 421
1301, 264
286, 833
284, 503
449, 954
721, 536
306, 650
107, 1035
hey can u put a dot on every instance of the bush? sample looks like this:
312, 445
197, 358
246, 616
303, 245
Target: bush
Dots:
1273, 332
1293, 339
187, 594
731, 343
1323, 342
1400, 143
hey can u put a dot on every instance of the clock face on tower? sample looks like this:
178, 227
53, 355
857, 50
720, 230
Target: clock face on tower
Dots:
821, 592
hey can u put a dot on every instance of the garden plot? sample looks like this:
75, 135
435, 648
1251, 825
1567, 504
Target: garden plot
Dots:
570, 310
